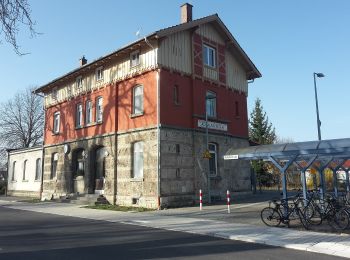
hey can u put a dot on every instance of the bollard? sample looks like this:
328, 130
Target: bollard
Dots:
200, 200
228, 201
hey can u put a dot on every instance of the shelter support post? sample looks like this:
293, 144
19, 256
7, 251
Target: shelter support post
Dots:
335, 183
335, 176
303, 182
283, 170
323, 166
303, 174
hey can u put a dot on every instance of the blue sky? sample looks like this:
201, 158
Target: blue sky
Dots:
287, 41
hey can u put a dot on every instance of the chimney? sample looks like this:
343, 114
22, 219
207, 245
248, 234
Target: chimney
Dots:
82, 61
186, 13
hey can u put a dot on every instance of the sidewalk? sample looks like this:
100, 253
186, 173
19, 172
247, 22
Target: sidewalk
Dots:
325, 243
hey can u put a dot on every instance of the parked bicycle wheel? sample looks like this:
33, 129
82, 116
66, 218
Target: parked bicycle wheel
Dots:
271, 217
312, 214
339, 219
303, 219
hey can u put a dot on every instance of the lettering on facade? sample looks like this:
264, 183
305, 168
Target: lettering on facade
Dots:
212, 125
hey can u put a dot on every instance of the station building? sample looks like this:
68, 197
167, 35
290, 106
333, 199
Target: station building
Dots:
132, 124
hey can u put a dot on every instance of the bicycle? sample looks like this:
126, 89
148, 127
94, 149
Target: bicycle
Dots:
274, 215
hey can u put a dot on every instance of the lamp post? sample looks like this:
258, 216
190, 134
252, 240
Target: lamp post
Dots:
318, 75
208, 97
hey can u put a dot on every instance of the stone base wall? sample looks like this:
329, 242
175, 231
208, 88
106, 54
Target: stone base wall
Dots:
139, 192
24, 193
63, 183
184, 170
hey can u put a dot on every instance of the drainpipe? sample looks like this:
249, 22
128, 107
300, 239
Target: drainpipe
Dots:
42, 153
158, 121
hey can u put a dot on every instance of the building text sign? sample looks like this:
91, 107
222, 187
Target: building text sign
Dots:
212, 125
231, 157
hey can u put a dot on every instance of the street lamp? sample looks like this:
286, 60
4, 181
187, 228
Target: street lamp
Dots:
208, 97
318, 75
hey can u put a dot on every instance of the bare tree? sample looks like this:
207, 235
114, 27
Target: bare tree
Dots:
13, 15
22, 120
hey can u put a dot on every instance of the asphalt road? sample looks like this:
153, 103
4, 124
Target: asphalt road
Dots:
29, 235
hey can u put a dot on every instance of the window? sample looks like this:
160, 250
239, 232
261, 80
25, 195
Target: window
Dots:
79, 84
99, 109
138, 100
213, 163
237, 108
54, 161
79, 116
54, 94
24, 169
137, 172
88, 112
211, 103
209, 56
134, 58
13, 171
176, 94
38, 169
99, 73
177, 148
56, 122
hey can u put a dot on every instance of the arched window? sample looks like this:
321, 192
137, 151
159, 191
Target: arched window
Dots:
99, 109
137, 100
213, 162
24, 169
38, 169
54, 162
79, 162
13, 171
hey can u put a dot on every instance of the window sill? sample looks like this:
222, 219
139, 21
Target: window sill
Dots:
13, 181
135, 66
177, 104
37, 180
25, 180
53, 134
136, 179
136, 115
238, 117
99, 80
215, 177
78, 127
209, 67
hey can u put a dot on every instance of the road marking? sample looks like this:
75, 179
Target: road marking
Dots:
247, 205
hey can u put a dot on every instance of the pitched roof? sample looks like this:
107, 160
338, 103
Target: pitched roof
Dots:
252, 73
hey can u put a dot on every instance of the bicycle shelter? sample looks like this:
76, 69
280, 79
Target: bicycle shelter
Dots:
317, 155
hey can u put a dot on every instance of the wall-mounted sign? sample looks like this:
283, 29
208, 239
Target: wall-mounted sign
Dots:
212, 125
231, 157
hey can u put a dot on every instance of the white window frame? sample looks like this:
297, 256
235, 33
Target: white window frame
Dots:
135, 58
138, 162
56, 122
88, 112
137, 109
210, 103
24, 170
79, 84
99, 74
209, 56
38, 169
214, 156
99, 109
79, 115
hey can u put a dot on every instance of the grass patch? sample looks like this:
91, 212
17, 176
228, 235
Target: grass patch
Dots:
118, 208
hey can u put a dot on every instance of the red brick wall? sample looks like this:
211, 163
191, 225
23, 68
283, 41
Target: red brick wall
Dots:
192, 104
113, 120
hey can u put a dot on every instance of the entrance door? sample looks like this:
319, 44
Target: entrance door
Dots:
100, 170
